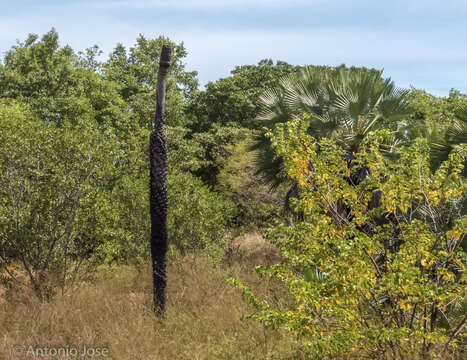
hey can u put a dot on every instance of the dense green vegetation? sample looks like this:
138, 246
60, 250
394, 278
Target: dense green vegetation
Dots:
376, 267
359, 185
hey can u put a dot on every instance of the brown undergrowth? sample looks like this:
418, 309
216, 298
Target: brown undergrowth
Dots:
203, 320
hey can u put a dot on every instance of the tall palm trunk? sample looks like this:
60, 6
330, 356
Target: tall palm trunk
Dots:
158, 187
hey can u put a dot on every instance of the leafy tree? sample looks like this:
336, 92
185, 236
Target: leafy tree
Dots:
197, 216
135, 71
185, 153
234, 100
53, 199
363, 280
57, 88
251, 194
215, 145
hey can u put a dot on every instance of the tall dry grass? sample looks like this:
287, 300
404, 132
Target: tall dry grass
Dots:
114, 312
203, 318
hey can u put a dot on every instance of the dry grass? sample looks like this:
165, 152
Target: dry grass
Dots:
202, 322
255, 249
203, 318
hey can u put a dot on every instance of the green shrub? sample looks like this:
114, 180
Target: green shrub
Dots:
377, 268
53, 197
258, 204
197, 216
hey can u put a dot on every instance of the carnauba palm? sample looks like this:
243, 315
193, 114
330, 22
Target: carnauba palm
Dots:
341, 103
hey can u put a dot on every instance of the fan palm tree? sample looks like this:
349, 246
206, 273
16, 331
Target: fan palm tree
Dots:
443, 138
343, 104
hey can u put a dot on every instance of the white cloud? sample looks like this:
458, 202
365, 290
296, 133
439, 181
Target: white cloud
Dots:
409, 56
405, 5
204, 4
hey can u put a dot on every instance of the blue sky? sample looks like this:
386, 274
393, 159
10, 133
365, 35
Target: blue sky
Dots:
420, 43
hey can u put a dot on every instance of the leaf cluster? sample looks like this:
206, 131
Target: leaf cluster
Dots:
378, 266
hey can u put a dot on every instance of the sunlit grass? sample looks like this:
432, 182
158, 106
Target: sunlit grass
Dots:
203, 319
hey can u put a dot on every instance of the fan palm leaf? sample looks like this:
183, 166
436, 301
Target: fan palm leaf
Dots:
344, 104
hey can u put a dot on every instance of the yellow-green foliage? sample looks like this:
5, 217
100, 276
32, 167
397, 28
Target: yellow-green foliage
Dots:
252, 195
377, 267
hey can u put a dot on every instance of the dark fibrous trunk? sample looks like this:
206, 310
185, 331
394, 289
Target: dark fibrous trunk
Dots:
158, 188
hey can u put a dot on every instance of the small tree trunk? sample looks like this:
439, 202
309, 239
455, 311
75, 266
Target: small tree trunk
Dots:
158, 187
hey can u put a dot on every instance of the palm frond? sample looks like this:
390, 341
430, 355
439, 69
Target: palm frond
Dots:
342, 103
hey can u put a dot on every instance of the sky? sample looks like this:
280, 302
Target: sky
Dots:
418, 43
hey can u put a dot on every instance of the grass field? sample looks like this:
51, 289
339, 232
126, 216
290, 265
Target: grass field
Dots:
113, 312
